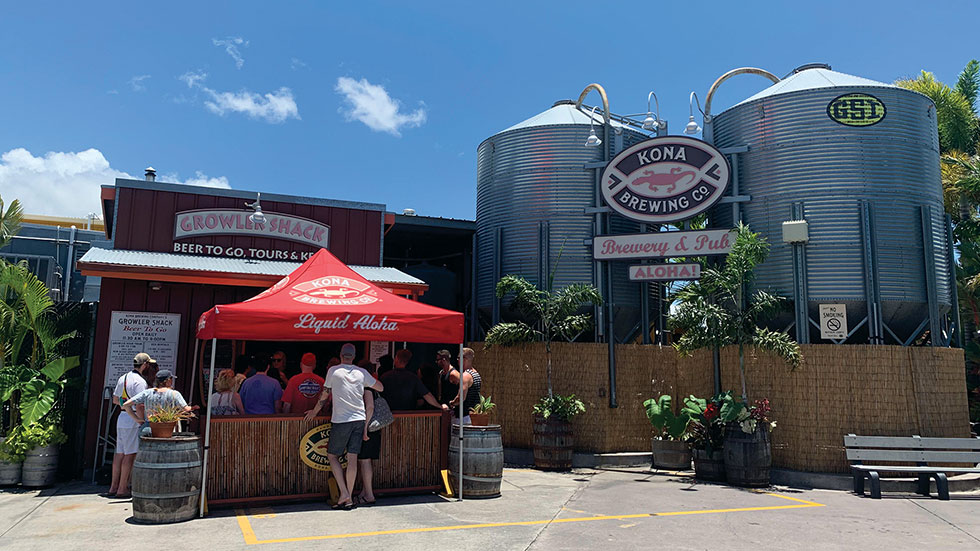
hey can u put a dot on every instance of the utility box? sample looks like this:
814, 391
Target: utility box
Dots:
795, 231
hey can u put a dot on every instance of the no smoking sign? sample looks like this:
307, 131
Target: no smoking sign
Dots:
833, 321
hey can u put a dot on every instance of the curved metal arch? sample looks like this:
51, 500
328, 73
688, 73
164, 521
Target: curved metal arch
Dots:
728, 75
602, 93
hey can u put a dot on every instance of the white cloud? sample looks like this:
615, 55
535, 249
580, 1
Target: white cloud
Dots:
199, 179
192, 78
371, 104
296, 63
68, 183
136, 83
274, 107
231, 48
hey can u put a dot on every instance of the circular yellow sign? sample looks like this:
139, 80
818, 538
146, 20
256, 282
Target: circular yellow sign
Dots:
313, 448
856, 110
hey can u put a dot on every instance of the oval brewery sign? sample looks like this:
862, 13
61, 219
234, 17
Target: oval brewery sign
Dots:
665, 179
856, 110
313, 448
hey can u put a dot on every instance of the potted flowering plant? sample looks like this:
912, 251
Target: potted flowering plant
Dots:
707, 435
670, 450
748, 454
163, 420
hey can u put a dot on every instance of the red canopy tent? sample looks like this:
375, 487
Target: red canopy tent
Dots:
324, 300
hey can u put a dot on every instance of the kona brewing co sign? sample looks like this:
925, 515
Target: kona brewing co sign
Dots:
666, 179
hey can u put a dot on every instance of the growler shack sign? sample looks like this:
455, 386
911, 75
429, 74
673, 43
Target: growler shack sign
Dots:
665, 179
195, 223
670, 244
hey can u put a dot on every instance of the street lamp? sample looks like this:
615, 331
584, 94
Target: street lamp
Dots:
256, 217
651, 123
692, 126
592, 140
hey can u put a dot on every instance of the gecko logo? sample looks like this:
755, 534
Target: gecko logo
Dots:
331, 290
313, 448
665, 179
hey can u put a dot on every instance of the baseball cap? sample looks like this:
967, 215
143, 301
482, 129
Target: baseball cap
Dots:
308, 359
142, 358
165, 374
348, 350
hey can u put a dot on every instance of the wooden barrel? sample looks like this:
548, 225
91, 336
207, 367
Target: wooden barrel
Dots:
483, 461
9, 471
709, 466
671, 455
553, 443
167, 479
747, 457
40, 467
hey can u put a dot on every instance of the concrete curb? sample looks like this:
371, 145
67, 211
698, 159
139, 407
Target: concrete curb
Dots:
779, 477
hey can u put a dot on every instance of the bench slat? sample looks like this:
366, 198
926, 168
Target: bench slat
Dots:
911, 442
927, 456
887, 468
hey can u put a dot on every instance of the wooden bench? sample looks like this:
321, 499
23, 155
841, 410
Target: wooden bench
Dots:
867, 453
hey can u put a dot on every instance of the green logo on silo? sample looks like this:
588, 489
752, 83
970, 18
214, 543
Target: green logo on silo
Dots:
856, 110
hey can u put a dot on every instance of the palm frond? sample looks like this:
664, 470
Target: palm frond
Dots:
779, 344
509, 334
528, 299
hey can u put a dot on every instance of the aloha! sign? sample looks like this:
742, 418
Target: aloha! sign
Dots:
194, 223
665, 179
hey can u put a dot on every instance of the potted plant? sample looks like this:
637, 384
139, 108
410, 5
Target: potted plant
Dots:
41, 440
707, 436
480, 413
748, 455
554, 440
547, 315
670, 451
12, 453
163, 420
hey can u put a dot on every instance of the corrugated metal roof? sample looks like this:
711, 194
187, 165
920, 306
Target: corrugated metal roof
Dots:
814, 78
560, 113
374, 274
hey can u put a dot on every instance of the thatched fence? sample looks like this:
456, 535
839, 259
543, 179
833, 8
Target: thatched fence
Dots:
875, 390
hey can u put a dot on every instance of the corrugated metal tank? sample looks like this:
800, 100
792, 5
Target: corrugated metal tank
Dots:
798, 154
531, 191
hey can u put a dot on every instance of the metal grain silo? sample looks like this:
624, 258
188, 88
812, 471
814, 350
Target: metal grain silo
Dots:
532, 194
859, 161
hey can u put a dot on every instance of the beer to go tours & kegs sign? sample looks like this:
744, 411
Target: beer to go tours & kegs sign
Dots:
665, 179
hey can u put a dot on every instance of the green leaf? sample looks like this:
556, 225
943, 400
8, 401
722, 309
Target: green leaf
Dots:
55, 369
36, 400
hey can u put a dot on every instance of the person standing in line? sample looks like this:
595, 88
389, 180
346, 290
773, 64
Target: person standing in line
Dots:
403, 388
278, 370
371, 445
127, 429
261, 393
345, 384
469, 391
303, 388
225, 400
448, 377
161, 396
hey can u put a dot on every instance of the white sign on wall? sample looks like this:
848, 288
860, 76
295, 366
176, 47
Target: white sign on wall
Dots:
130, 333
833, 321
665, 272
663, 245
377, 350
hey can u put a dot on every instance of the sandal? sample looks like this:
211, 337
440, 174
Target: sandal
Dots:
360, 501
343, 506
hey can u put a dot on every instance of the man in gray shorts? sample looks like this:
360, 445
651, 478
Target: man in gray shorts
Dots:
346, 384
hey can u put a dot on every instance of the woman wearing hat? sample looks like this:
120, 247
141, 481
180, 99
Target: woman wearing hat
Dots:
162, 395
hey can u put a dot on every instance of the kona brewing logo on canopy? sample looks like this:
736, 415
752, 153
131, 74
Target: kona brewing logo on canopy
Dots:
665, 179
333, 291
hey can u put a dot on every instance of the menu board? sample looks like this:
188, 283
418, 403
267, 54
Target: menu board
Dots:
377, 350
130, 333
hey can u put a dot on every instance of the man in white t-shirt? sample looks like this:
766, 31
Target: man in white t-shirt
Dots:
127, 429
346, 384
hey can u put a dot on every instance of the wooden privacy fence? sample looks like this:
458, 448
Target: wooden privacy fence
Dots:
860, 389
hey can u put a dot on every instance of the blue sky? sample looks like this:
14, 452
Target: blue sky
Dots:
387, 102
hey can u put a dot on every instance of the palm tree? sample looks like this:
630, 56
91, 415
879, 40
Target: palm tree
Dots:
546, 315
716, 311
10, 220
955, 117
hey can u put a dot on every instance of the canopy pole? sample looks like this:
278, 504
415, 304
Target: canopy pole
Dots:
461, 400
194, 372
207, 429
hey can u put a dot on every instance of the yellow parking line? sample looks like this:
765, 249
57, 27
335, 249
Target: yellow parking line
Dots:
251, 539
